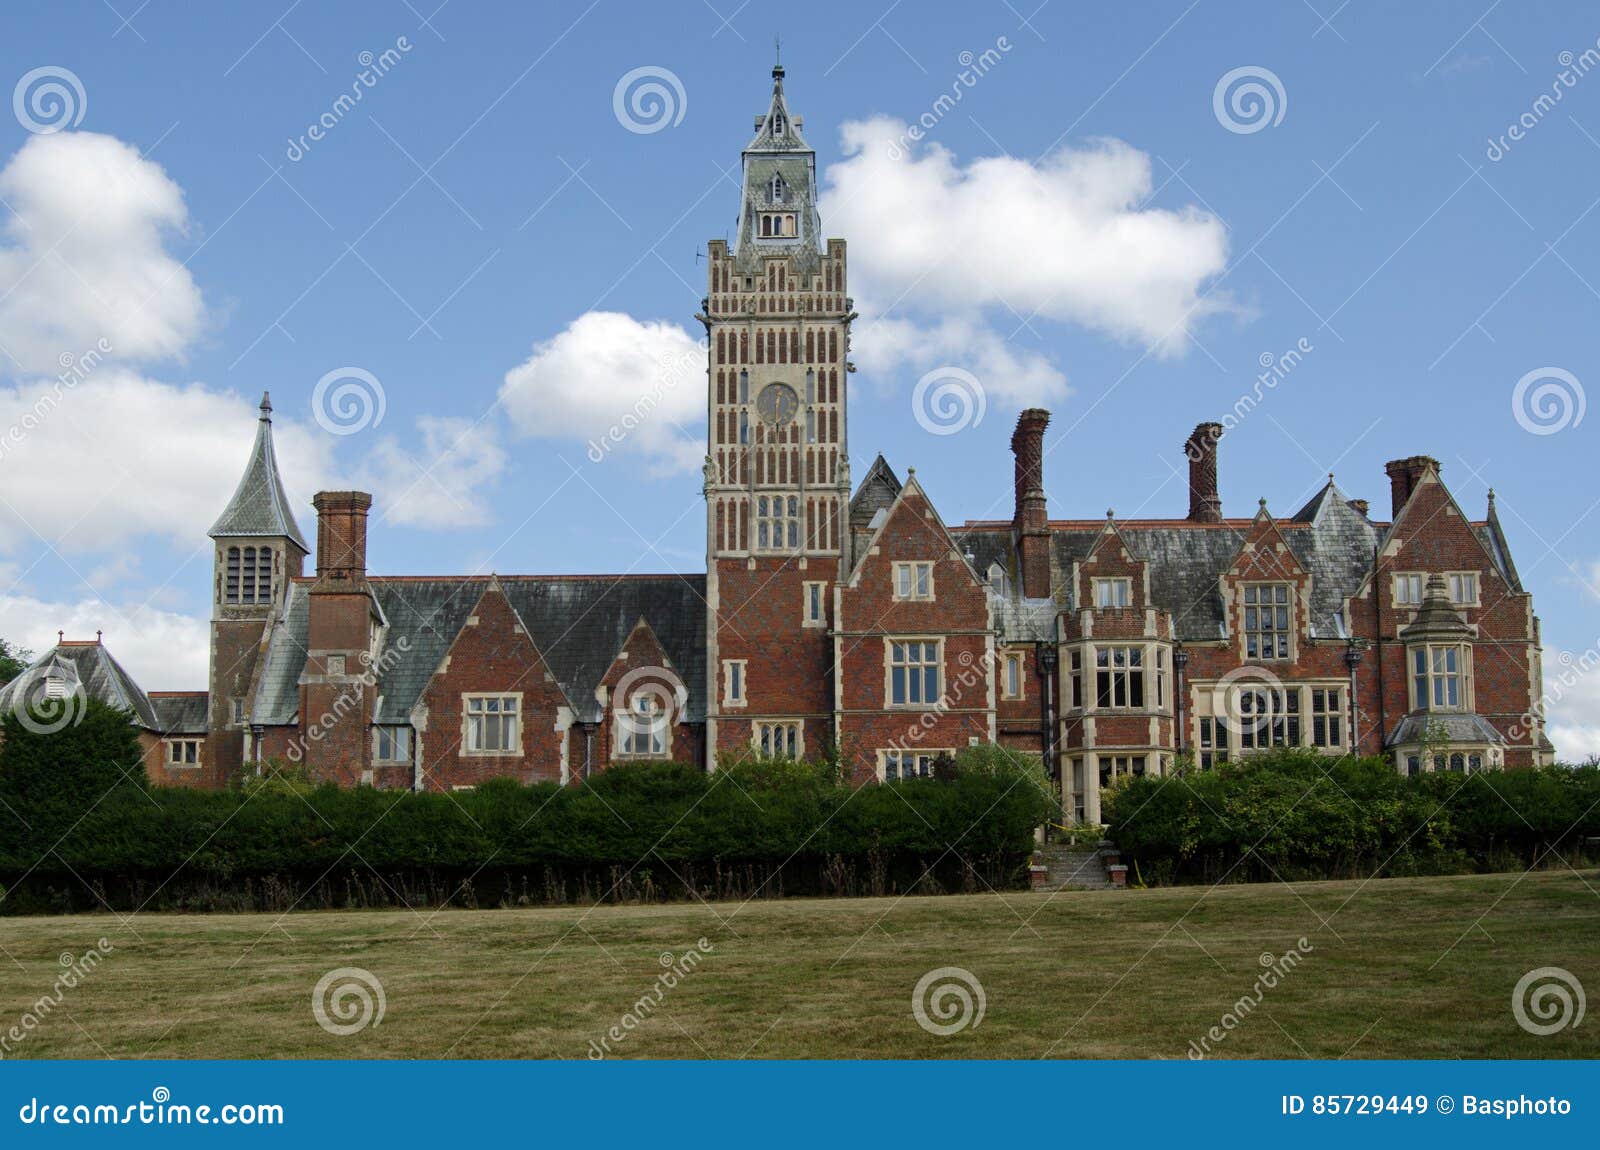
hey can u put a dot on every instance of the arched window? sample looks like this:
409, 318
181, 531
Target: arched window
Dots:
778, 189
766, 225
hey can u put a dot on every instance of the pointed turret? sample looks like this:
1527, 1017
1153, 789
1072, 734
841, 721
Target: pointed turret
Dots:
259, 506
780, 185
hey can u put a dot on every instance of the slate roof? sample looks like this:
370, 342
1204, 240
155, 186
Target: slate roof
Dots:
1330, 539
259, 505
578, 623
1453, 728
91, 665
180, 712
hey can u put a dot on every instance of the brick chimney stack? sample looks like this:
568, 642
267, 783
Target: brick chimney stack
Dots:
341, 535
1031, 521
1205, 505
1404, 475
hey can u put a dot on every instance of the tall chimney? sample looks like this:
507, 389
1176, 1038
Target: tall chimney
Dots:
1205, 505
1404, 475
1031, 520
341, 535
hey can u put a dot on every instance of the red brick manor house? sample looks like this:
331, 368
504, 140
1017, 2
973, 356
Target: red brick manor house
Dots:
852, 616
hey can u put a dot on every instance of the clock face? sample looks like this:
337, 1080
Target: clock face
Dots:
777, 404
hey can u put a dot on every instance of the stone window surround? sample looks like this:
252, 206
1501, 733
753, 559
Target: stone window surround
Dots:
729, 699
183, 762
910, 567
799, 726
889, 665
819, 589
466, 725
1464, 674
1202, 706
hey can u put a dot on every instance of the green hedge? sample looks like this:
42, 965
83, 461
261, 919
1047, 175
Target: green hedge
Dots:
634, 831
1299, 814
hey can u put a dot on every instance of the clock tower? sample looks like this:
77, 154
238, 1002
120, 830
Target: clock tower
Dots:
777, 478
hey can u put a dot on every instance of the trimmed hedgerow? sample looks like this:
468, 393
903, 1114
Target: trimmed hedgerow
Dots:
634, 831
1299, 814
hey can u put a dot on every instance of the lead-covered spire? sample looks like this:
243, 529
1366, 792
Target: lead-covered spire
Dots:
779, 212
259, 506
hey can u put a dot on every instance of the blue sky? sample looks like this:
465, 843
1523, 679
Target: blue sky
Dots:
484, 197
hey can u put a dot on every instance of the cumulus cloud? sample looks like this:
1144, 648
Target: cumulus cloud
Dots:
83, 255
116, 457
880, 347
1572, 703
436, 485
620, 385
162, 650
1065, 237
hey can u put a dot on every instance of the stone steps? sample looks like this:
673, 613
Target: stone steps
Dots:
1074, 868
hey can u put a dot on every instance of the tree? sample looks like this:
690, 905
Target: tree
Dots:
13, 661
57, 763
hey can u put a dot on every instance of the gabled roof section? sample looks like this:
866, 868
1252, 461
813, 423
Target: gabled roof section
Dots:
259, 505
911, 487
1487, 535
1258, 555
1494, 538
87, 665
1109, 532
180, 712
877, 492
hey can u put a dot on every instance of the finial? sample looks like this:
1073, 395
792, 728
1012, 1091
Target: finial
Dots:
1491, 499
61, 636
1263, 502
266, 406
1110, 514
1330, 477
97, 635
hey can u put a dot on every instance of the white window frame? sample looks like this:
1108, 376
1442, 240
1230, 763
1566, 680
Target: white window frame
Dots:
1132, 668
735, 674
1424, 685
921, 760
1413, 584
913, 581
814, 603
915, 671
382, 730
1251, 634
642, 717
182, 762
1113, 592
1458, 582
468, 728
1013, 676
1332, 717
769, 736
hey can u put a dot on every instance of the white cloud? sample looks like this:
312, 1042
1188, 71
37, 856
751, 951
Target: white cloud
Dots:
1572, 703
620, 385
1006, 372
120, 456
162, 650
84, 257
437, 487
1065, 238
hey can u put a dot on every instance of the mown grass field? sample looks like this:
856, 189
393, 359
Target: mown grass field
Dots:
1413, 968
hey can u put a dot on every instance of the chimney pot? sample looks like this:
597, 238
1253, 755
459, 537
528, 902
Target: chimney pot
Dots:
341, 535
1031, 518
1404, 476
1205, 505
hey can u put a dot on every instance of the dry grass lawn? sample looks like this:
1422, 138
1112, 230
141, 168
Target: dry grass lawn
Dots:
1412, 968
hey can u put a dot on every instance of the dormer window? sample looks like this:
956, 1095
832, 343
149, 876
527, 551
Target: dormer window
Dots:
1113, 592
1266, 620
779, 189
